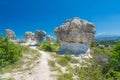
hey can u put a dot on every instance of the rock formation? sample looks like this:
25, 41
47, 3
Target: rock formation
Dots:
39, 36
50, 39
75, 35
10, 34
29, 36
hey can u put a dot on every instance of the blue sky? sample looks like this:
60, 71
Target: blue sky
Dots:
30, 15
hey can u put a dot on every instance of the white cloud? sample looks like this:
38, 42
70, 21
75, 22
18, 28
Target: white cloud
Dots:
101, 33
105, 33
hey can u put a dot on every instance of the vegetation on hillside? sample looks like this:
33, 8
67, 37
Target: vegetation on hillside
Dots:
9, 52
14, 56
112, 68
105, 64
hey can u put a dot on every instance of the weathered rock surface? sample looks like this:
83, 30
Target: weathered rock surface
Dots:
50, 39
29, 36
10, 34
75, 35
39, 36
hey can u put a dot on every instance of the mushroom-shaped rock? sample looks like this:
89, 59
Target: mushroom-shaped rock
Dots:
10, 34
75, 35
39, 35
50, 39
29, 36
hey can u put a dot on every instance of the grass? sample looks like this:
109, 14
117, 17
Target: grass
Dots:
51, 63
10, 79
10, 68
62, 61
18, 66
71, 59
65, 76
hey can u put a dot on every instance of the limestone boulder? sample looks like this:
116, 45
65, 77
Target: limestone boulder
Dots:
39, 36
10, 34
50, 39
75, 35
29, 36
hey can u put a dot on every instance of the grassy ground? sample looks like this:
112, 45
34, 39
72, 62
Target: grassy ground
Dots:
29, 57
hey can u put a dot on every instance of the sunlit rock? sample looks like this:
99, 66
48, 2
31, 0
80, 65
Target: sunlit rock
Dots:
75, 35
39, 36
10, 34
29, 37
50, 39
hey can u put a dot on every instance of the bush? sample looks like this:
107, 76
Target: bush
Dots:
9, 52
47, 46
112, 68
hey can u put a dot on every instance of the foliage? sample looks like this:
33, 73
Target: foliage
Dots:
62, 61
112, 68
69, 57
9, 52
93, 44
107, 42
47, 46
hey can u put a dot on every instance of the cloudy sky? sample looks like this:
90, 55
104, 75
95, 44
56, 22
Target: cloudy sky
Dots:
30, 15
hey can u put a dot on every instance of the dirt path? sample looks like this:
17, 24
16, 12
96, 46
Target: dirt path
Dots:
43, 72
40, 72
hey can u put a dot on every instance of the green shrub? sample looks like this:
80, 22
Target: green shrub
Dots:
47, 46
112, 68
9, 52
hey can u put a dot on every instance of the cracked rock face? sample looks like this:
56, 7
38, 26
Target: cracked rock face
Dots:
50, 39
29, 36
75, 35
39, 35
10, 34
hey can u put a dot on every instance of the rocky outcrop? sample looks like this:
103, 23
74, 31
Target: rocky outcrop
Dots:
39, 36
29, 36
10, 34
50, 39
75, 35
